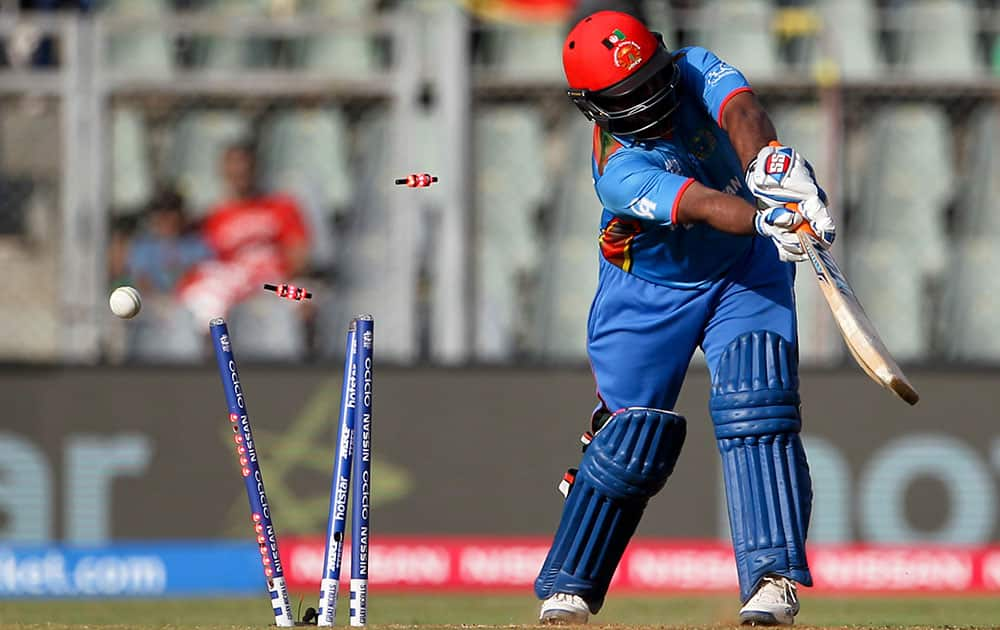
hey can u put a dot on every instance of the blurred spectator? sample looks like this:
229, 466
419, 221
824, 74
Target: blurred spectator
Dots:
156, 261
254, 226
166, 249
257, 237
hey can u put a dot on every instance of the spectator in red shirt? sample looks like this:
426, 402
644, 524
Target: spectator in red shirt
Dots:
253, 226
257, 237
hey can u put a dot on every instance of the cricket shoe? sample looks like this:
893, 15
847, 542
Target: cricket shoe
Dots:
564, 609
774, 603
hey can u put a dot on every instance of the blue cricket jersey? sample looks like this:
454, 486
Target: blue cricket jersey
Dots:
641, 183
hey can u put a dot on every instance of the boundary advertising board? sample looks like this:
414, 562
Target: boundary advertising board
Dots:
89, 456
469, 564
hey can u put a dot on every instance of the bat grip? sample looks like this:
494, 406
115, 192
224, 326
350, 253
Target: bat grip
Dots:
805, 226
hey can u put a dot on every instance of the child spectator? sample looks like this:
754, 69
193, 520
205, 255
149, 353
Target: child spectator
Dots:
157, 261
166, 249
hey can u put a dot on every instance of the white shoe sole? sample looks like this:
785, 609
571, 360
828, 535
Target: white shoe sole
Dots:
562, 617
556, 618
763, 618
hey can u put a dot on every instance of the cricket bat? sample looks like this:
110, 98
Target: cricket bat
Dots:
858, 331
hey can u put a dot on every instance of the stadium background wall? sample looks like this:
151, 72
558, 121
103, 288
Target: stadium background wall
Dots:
92, 455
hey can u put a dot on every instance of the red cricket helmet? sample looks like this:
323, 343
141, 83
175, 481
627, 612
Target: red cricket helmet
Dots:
621, 75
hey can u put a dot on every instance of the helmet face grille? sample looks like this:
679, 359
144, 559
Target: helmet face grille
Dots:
641, 106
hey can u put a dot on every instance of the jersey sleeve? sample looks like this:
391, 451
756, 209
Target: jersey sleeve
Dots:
635, 186
714, 79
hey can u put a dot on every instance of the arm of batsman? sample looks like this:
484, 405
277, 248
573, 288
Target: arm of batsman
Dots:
780, 175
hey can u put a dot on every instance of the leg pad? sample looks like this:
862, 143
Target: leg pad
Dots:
755, 408
627, 462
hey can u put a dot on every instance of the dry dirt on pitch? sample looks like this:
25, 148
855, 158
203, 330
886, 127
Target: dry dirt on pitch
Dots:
431, 611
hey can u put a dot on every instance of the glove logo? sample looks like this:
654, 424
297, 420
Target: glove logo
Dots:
777, 165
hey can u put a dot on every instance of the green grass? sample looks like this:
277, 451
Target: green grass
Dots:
436, 610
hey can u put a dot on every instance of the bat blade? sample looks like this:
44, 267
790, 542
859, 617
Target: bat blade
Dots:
859, 333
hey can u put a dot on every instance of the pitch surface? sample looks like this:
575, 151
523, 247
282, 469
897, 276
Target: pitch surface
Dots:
433, 610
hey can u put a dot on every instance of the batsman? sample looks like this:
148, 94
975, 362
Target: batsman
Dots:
697, 245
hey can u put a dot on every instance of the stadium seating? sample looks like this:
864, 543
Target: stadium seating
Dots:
893, 291
905, 140
739, 31
35, 279
304, 152
571, 258
268, 330
996, 55
897, 219
970, 308
939, 38
970, 304
979, 204
148, 52
529, 51
510, 184
313, 143
197, 142
348, 51
527, 295
167, 333
136, 6
340, 8
660, 18
143, 48
806, 128
849, 27
231, 52
383, 238
131, 174
422, 15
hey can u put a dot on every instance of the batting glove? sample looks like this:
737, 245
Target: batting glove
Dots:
780, 175
778, 224
816, 213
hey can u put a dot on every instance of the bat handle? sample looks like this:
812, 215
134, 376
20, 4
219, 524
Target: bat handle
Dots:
805, 226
